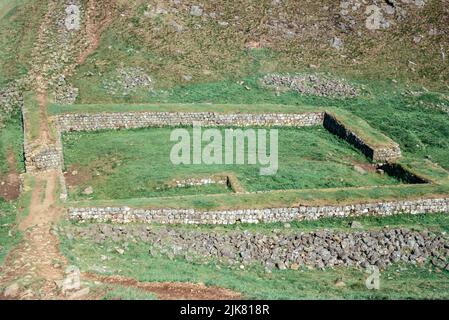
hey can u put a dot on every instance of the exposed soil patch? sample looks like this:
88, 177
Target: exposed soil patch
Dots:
96, 22
368, 167
10, 183
37, 261
170, 290
77, 175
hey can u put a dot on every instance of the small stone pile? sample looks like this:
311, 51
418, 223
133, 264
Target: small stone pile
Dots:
198, 182
127, 80
316, 85
11, 100
64, 92
282, 248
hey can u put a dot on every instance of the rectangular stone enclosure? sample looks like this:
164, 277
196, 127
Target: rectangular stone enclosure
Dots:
381, 151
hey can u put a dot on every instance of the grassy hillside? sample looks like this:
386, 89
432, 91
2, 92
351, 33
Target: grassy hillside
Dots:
19, 21
225, 42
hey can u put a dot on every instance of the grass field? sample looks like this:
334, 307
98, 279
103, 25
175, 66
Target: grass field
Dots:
18, 26
11, 137
8, 235
397, 282
134, 163
7, 221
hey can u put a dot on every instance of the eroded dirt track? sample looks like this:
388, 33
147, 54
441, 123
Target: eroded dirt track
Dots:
169, 290
36, 263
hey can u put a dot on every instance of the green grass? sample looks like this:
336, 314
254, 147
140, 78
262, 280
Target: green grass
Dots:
363, 130
9, 236
55, 109
438, 222
133, 163
397, 282
7, 5
11, 140
331, 196
32, 117
19, 20
11, 213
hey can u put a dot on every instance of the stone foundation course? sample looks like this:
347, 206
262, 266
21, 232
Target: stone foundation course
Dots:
192, 216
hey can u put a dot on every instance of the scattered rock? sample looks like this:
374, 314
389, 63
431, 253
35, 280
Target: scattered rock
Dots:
127, 80
80, 293
12, 290
196, 11
336, 43
88, 191
177, 26
281, 265
356, 225
339, 283
294, 266
359, 169
315, 84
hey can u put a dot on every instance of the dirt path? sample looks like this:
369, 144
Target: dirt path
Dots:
10, 183
36, 262
169, 290
93, 30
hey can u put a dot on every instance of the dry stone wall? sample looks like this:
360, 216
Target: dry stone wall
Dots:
383, 154
128, 120
45, 158
40, 157
192, 216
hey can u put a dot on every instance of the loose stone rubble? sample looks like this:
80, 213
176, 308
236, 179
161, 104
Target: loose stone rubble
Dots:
316, 85
127, 80
281, 248
11, 100
64, 92
198, 182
